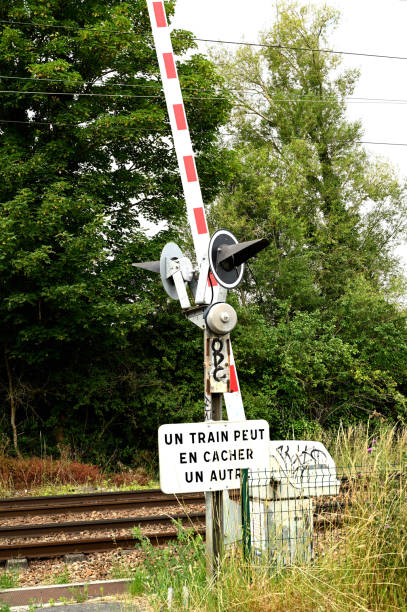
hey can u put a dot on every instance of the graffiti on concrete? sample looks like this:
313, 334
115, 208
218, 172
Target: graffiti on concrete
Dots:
299, 459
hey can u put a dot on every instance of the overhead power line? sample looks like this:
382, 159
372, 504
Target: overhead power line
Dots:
389, 144
304, 99
73, 93
36, 24
157, 86
306, 49
100, 95
208, 40
154, 85
34, 123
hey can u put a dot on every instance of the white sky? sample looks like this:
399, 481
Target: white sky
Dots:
367, 26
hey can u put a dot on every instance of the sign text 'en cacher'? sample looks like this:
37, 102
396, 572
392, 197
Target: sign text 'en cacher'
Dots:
209, 456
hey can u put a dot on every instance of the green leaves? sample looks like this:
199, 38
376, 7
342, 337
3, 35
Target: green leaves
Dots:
327, 340
86, 161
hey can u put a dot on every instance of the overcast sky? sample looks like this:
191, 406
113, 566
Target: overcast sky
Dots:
367, 26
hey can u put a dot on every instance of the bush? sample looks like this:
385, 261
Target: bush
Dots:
139, 476
26, 473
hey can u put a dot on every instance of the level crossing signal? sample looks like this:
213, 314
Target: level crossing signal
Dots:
219, 266
220, 259
226, 262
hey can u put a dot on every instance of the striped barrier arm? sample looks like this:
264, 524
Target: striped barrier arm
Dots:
189, 176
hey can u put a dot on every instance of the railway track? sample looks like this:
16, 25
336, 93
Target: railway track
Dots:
55, 547
45, 550
160, 526
115, 500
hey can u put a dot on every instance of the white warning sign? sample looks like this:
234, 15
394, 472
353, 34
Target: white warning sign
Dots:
209, 456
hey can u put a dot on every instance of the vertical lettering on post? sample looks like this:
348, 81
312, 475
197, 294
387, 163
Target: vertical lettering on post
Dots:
219, 365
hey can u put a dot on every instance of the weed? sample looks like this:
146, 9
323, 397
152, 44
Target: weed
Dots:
168, 567
371, 446
138, 584
78, 594
4, 607
62, 577
120, 570
25, 473
128, 477
9, 580
48, 476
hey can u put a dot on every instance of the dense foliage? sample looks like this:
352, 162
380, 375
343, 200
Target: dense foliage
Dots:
321, 337
86, 161
94, 357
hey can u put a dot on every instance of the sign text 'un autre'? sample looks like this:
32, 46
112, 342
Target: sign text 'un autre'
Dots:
209, 456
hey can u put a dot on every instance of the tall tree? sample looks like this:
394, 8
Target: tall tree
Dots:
86, 159
333, 215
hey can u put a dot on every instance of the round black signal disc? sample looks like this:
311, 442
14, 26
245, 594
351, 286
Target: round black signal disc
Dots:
228, 278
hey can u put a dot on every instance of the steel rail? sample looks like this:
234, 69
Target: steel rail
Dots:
40, 550
46, 550
27, 531
59, 504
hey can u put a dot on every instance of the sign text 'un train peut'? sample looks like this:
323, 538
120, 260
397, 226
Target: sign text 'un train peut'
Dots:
209, 456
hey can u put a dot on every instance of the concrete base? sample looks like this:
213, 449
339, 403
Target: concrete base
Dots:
91, 606
74, 558
63, 592
16, 564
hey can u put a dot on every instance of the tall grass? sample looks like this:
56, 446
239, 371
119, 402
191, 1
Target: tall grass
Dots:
362, 564
372, 446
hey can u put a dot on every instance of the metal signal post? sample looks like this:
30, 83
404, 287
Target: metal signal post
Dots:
219, 266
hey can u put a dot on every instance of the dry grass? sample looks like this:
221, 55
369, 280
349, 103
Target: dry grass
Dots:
48, 476
31, 472
364, 564
372, 446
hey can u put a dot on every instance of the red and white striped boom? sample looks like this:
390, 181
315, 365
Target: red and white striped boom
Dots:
179, 127
189, 175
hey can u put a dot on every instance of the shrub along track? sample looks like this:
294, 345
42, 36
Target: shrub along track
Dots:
159, 528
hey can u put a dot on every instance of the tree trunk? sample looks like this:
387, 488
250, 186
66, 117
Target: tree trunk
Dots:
13, 406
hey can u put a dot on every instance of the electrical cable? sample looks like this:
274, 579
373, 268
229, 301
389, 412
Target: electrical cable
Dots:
62, 27
212, 294
304, 99
306, 49
158, 87
72, 93
34, 123
100, 95
210, 40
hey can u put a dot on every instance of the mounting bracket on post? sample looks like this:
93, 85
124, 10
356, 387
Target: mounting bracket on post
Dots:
174, 271
202, 284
